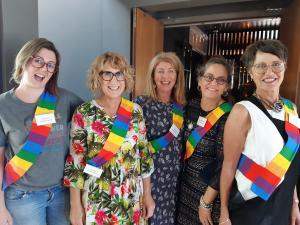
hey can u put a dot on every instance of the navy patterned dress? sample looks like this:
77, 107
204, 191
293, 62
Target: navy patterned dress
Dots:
167, 162
203, 168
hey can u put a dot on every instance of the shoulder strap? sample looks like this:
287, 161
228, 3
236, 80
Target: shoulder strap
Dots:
277, 123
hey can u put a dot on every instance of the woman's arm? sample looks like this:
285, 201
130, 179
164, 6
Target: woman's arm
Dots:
74, 166
214, 183
205, 212
5, 217
235, 133
77, 215
295, 214
147, 166
148, 202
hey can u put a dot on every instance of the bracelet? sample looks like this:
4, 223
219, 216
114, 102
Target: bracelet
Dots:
205, 205
296, 200
225, 221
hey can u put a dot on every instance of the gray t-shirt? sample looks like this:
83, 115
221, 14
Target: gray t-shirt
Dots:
15, 123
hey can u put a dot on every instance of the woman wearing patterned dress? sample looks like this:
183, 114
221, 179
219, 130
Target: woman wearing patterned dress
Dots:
165, 92
109, 165
261, 146
199, 201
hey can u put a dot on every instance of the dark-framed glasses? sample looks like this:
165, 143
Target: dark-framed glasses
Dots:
262, 68
108, 76
39, 62
209, 78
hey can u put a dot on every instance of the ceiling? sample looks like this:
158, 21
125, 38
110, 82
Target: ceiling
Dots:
187, 12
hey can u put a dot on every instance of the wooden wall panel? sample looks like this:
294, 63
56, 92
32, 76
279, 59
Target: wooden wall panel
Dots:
290, 36
148, 35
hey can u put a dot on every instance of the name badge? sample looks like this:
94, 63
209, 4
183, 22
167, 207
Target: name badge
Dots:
201, 121
91, 170
45, 119
174, 130
294, 120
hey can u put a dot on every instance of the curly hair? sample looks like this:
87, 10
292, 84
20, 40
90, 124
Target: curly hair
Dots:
114, 60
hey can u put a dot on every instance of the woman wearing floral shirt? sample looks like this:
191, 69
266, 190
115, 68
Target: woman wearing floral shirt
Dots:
122, 193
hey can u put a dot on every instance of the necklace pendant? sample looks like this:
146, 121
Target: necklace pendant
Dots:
278, 106
190, 126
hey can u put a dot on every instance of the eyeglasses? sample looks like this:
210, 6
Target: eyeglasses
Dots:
262, 68
39, 62
108, 76
209, 78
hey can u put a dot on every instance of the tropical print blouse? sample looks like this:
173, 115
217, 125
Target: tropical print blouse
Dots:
114, 198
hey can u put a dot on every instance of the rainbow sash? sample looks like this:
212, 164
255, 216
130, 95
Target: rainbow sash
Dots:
266, 179
33, 146
198, 133
116, 136
162, 142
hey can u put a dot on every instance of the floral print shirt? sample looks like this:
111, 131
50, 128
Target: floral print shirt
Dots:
114, 197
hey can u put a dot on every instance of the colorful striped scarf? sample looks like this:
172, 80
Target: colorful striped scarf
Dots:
198, 133
162, 142
33, 147
116, 136
266, 179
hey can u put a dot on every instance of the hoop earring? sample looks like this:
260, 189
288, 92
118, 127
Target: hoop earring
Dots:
198, 88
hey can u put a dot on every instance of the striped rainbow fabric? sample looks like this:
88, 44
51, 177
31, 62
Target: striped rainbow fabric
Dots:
116, 136
266, 179
198, 133
162, 142
33, 146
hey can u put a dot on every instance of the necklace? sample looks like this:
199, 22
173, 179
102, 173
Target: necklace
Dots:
276, 106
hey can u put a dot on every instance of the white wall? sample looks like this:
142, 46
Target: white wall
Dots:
81, 30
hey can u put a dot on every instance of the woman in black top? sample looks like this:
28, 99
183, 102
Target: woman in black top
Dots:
198, 198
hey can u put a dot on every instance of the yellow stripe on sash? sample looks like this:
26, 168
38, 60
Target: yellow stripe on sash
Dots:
281, 162
23, 164
40, 111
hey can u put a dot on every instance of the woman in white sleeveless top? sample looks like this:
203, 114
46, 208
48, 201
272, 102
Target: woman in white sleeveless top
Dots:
255, 133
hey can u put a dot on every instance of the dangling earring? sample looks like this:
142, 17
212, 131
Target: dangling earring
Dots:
225, 94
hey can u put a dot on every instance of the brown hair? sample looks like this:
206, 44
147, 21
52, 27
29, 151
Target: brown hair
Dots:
178, 93
214, 60
28, 50
273, 47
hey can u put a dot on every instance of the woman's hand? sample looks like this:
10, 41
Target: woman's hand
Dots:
5, 217
224, 216
77, 215
224, 221
205, 216
295, 214
148, 206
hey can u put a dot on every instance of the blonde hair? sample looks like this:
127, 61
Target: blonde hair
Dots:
23, 57
114, 60
178, 92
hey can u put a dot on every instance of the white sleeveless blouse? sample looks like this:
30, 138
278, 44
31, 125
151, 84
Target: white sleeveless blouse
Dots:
262, 144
